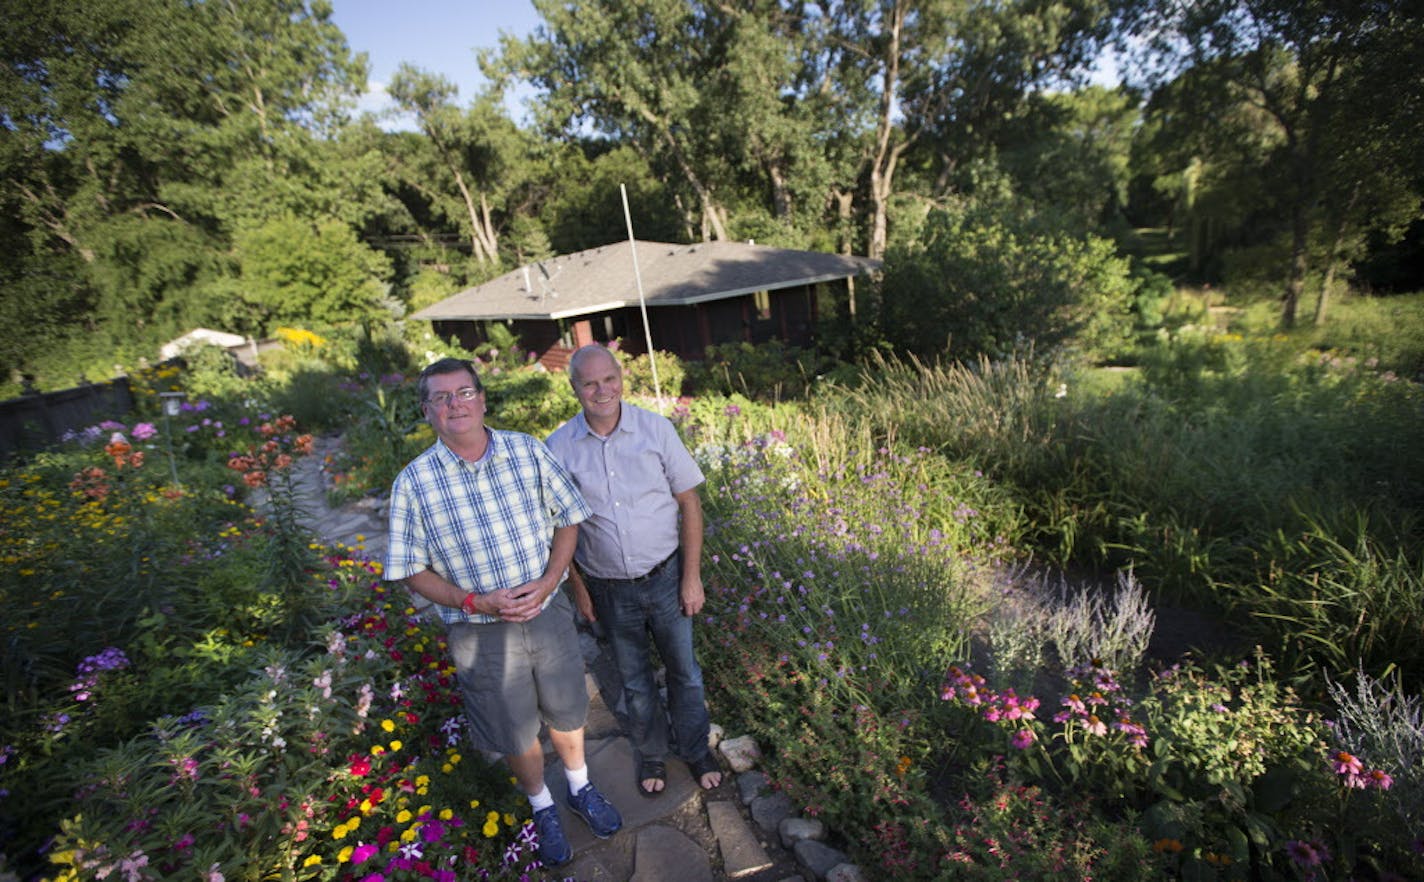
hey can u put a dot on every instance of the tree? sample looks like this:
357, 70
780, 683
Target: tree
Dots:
1311, 68
945, 72
641, 73
975, 284
1069, 153
480, 152
136, 135
295, 271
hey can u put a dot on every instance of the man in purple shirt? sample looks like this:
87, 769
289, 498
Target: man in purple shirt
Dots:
639, 561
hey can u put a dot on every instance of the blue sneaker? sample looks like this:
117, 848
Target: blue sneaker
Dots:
603, 819
554, 846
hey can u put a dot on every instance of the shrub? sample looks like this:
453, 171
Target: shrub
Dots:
768, 371
638, 374
985, 286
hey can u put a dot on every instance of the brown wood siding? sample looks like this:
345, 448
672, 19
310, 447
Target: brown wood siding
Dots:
685, 331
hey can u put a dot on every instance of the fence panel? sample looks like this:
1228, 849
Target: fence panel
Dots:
34, 422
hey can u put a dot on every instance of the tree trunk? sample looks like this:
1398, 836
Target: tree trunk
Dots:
1300, 229
781, 201
1335, 260
882, 163
711, 212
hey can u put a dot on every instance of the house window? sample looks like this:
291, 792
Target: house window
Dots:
762, 299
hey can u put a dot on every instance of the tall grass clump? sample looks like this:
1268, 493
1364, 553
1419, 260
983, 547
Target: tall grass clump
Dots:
1014, 420
1201, 473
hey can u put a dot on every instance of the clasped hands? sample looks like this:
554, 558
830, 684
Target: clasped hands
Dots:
518, 604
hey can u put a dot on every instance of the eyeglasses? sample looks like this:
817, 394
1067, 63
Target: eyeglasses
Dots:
443, 399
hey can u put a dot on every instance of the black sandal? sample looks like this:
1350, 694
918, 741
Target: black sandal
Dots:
652, 769
705, 766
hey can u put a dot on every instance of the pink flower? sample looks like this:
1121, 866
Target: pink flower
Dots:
1095, 726
1345, 764
363, 853
1023, 738
1379, 778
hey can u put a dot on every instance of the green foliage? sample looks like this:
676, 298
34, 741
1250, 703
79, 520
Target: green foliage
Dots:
211, 372
975, 286
528, 400
585, 210
1009, 830
1378, 333
314, 393
1205, 473
768, 371
638, 374
388, 432
297, 272
1340, 594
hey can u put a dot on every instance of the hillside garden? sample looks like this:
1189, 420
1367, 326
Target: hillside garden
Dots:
932, 590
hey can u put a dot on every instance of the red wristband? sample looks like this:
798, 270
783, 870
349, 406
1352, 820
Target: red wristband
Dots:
467, 606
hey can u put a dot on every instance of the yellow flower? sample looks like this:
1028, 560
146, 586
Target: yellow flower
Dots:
508, 819
447, 768
396, 745
403, 817
455, 758
491, 828
339, 831
409, 834
344, 855
446, 814
422, 781
312, 860
388, 725
377, 749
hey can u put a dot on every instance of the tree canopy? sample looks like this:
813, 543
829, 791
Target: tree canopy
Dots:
170, 163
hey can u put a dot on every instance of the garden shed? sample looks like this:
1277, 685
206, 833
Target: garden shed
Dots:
696, 296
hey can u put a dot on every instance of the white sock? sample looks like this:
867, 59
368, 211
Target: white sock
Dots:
578, 778
541, 800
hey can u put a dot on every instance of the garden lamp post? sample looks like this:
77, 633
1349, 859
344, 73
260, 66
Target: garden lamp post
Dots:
172, 402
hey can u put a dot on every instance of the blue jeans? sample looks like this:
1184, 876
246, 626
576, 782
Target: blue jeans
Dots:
635, 618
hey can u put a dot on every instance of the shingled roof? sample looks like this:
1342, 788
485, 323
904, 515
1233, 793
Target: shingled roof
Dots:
603, 279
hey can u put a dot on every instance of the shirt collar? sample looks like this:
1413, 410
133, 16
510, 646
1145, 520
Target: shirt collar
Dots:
452, 459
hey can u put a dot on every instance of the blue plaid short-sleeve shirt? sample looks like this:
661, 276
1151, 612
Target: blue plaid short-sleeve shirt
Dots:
485, 525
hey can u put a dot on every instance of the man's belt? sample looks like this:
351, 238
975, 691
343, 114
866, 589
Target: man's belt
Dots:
638, 580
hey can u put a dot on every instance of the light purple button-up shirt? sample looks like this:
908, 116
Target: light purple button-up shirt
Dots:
630, 480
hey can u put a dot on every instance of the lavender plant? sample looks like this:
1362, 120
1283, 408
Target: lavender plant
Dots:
1380, 732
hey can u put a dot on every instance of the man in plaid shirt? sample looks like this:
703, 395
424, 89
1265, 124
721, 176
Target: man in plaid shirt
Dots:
484, 524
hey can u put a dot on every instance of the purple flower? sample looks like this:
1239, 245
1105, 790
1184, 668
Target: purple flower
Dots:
1023, 739
1307, 854
144, 431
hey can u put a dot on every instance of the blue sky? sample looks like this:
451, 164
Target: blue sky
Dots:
439, 36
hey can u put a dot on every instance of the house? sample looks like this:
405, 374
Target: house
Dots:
695, 295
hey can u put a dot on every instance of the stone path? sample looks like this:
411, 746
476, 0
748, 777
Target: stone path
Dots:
686, 834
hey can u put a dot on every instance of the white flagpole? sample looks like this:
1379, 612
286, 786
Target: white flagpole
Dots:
642, 305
